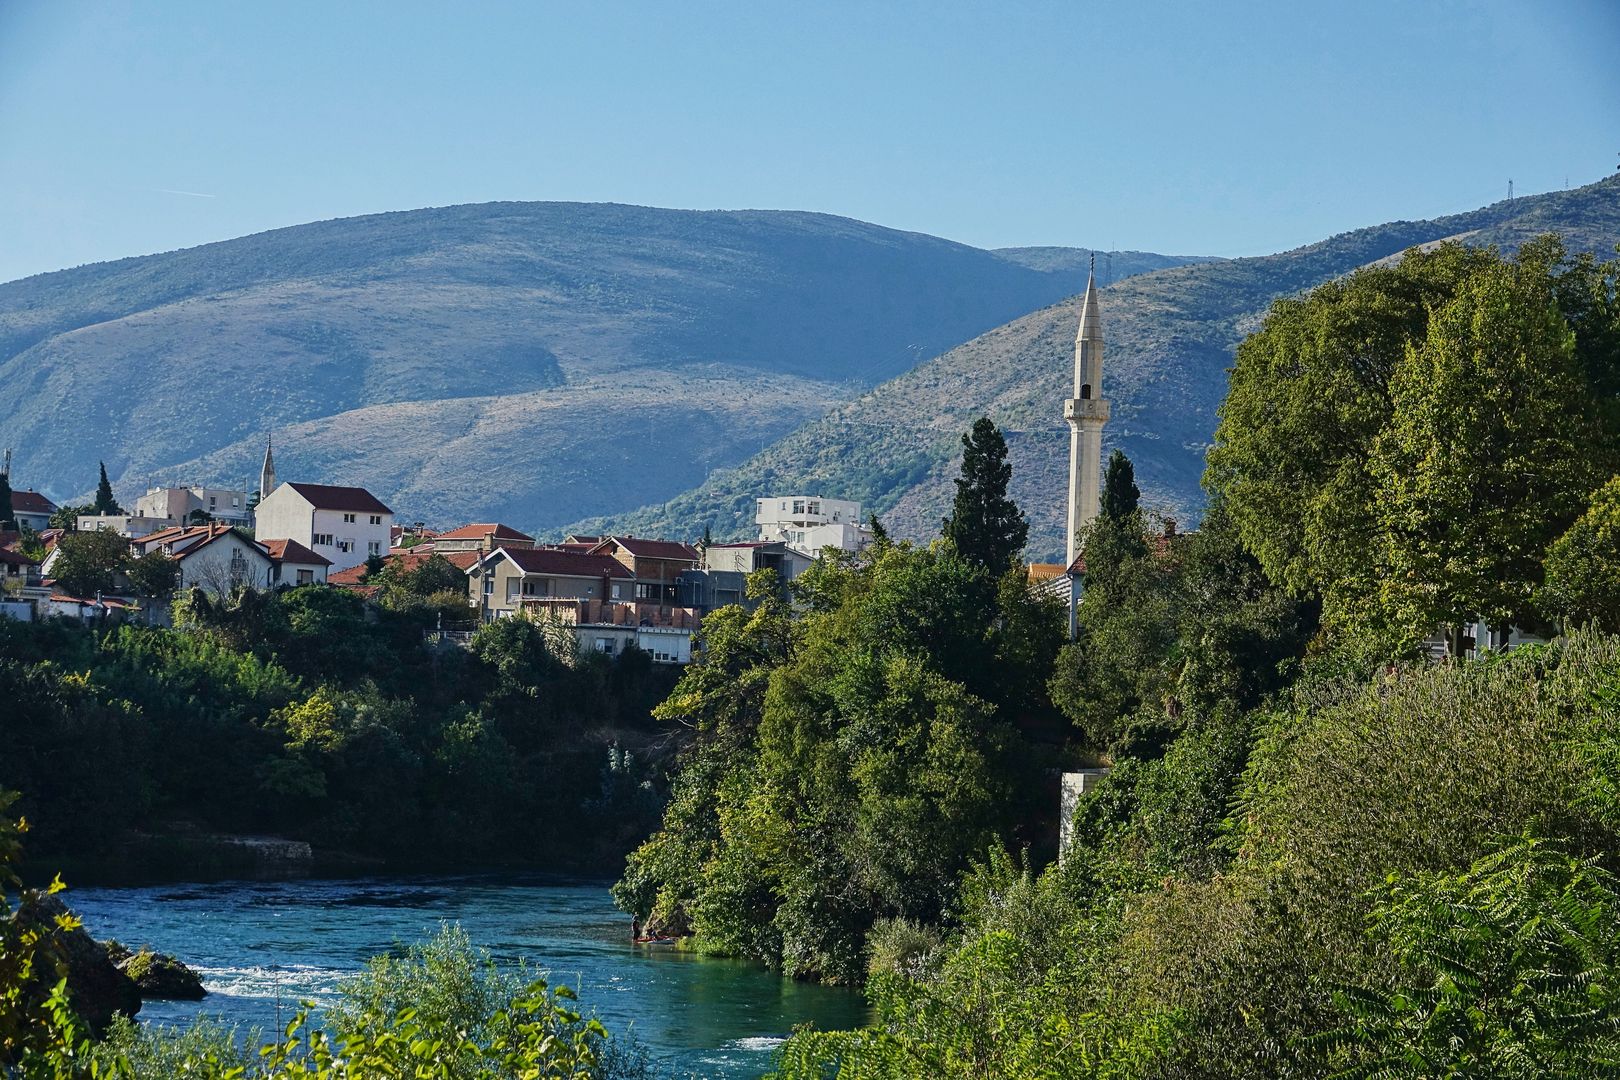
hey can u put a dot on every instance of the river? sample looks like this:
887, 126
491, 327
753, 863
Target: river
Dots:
262, 946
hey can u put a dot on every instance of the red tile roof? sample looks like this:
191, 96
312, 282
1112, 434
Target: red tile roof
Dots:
410, 559
651, 549
208, 534
31, 502
331, 497
15, 558
478, 532
564, 563
291, 551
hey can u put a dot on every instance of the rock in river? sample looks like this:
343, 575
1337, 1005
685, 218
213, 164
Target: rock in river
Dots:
162, 978
97, 988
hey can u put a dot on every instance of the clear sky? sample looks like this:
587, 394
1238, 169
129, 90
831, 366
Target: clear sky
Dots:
1199, 127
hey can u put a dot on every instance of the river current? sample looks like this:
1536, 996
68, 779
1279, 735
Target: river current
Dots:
261, 947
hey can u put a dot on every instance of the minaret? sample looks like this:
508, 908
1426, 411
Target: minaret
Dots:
1086, 413
267, 475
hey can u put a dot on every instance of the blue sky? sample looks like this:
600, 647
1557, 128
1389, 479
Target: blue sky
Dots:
1211, 128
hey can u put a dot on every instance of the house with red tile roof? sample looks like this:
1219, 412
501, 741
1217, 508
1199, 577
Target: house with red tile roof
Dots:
291, 563
656, 564
504, 581
345, 525
32, 509
482, 537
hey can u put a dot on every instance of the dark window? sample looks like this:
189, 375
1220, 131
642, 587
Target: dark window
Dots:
1085, 392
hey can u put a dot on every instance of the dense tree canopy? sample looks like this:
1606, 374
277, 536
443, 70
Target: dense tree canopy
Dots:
1405, 443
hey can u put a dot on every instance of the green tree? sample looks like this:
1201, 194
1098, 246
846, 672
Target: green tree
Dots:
90, 562
1510, 969
8, 516
1120, 495
105, 503
985, 528
1583, 566
1486, 457
153, 575
67, 517
1309, 395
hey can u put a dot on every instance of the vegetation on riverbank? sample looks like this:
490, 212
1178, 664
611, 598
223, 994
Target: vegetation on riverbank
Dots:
1317, 852
314, 714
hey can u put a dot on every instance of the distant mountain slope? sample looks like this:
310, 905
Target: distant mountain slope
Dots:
533, 361
1170, 339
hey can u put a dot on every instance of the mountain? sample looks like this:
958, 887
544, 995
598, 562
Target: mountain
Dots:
1170, 334
528, 362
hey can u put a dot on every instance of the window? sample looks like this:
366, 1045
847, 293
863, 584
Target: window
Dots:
374, 547
798, 506
238, 569
618, 590
306, 577
322, 539
376, 519
513, 585
345, 545
604, 645
1085, 392
489, 584
348, 519
212, 502
236, 500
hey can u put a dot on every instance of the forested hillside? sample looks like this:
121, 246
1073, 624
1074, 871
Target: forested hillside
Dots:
530, 362
1170, 334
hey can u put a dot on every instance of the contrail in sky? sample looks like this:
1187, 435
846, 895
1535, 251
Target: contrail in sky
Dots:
193, 194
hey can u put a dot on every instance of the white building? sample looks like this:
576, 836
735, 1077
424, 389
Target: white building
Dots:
130, 525
228, 506
808, 523
294, 564
217, 559
346, 525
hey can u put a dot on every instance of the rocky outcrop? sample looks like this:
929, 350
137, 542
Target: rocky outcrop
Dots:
160, 977
96, 987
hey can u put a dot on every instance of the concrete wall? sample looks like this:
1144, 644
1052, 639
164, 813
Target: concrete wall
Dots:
1075, 784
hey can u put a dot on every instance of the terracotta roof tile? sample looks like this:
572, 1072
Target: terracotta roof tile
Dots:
31, 502
291, 551
332, 497
651, 549
565, 563
479, 531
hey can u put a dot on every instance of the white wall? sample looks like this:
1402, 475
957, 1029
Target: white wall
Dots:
287, 515
209, 568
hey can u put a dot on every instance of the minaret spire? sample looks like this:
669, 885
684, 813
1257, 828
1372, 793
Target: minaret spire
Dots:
267, 474
1086, 413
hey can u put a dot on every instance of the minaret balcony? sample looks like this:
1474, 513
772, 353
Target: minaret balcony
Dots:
1086, 409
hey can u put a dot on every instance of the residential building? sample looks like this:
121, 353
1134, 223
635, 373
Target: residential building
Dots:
751, 555
655, 565
32, 509
292, 564
17, 571
192, 504
214, 558
506, 580
481, 537
346, 525
808, 523
130, 525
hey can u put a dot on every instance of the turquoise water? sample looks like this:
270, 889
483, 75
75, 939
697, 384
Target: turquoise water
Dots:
258, 944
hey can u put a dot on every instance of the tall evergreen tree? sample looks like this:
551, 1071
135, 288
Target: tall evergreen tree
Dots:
105, 503
708, 537
7, 514
985, 527
1120, 495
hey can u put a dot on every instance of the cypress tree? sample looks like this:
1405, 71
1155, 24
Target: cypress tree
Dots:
985, 527
8, 516
105, 503
1120, 495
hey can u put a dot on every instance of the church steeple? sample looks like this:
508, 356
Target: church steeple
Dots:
1086, 413
267, 474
